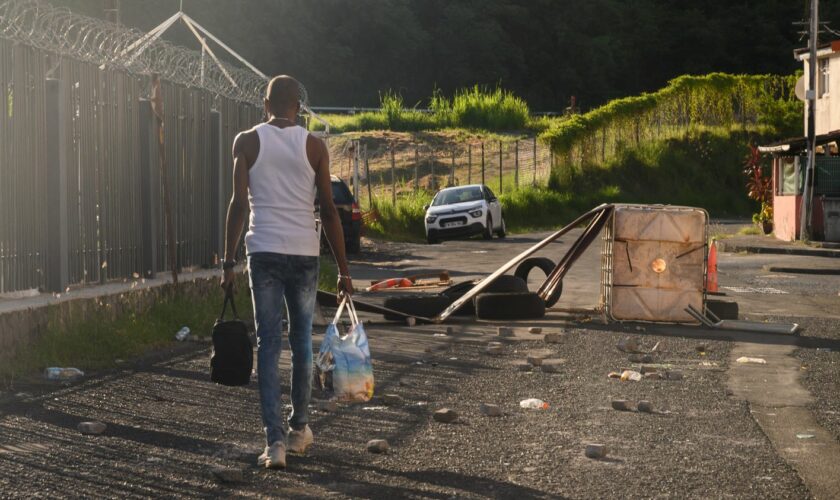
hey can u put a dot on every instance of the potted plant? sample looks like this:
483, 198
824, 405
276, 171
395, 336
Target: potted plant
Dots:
760, 189
764, 218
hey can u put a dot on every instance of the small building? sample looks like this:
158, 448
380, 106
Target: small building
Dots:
790, 159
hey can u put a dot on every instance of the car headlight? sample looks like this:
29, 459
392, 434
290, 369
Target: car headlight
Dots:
476, 213
431, 219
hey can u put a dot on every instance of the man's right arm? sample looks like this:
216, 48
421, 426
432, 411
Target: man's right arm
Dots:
238, 207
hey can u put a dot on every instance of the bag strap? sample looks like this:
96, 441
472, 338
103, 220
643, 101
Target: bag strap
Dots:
229, 299
351, 311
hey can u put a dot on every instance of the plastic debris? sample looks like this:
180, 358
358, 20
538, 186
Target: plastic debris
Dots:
63, 374
621, 405
183, 334
630, 375
533, 404
645, 406
746, 359
805, 436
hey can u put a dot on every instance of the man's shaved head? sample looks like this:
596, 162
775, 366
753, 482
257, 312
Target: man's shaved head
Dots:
282, 95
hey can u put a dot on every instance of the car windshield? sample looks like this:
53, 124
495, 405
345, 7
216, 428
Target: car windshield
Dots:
457, 195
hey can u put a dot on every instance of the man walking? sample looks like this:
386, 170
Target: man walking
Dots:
277, 169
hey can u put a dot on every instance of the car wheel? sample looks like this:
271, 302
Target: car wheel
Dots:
488, 229
431, 240
502, 232
526, 305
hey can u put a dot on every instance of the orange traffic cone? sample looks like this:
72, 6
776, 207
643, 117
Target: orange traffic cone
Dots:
711, 272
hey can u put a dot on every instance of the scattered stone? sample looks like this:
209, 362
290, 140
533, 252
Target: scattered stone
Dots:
535, 330
228, 475
628, 346
701, 348
536, 357
613, 375
552, 365
631, 375
411, 321
494, 348
674, 375
553, 338
529, 470
523, 366
92, 428
445, 415
450, 330
406, 383
378, 446
621, 405
490, 410
729, 392
647, 369
327, 406
595, 451
645, 406
392, 399
655, 347
805, 436
653, 376
505, 331
757, 361
640, 358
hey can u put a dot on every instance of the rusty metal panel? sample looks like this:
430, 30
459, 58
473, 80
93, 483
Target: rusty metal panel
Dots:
654, 263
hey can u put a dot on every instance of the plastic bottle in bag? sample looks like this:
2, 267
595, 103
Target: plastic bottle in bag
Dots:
533, 404
58, 373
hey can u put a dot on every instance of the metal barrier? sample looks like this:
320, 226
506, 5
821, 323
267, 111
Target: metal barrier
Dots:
80, 180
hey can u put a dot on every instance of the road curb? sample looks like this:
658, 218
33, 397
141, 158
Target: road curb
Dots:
802, 270
725, 246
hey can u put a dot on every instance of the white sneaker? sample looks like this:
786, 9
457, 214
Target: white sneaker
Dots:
274, 456
300, 440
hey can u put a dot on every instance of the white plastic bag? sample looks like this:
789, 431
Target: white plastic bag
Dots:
345, 360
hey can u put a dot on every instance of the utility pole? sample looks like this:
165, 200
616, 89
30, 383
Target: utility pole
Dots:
811, 96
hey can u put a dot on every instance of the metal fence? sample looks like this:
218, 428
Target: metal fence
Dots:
388, 169
80, 181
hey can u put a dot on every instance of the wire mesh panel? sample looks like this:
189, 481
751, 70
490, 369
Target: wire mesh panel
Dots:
22, 168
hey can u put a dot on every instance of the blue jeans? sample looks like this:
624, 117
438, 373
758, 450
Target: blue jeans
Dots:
274, 277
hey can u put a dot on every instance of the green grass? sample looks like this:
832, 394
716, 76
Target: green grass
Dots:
476, 108
93, 340
750, 231
403, 221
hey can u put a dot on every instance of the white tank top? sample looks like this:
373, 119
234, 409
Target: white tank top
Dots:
281, 193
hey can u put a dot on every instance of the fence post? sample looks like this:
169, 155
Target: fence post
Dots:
416, 168
393, 179
452, 172
432, 180
217, 192
367, 177
356, 172
500, 168
57, 275
516, 165
535, 161
482, 162
149, 190
469, 163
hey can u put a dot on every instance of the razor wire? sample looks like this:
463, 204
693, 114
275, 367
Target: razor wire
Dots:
109, 45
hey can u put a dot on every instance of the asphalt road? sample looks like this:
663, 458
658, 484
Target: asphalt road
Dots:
168, 425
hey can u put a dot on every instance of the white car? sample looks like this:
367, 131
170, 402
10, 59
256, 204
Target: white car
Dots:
464, 211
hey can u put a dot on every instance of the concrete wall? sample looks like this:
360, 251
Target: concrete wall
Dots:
828, 105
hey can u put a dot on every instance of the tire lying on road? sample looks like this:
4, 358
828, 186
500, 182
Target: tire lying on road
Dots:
421, 305
546, 265
503, 284
520, 305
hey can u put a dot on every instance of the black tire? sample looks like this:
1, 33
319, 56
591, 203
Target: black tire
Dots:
723, 309
424, 306
503, 284
525, 267
431, 240
488, 229
502, 232
526, 305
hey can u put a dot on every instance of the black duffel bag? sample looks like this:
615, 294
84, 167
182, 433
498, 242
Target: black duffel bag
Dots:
233, 357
